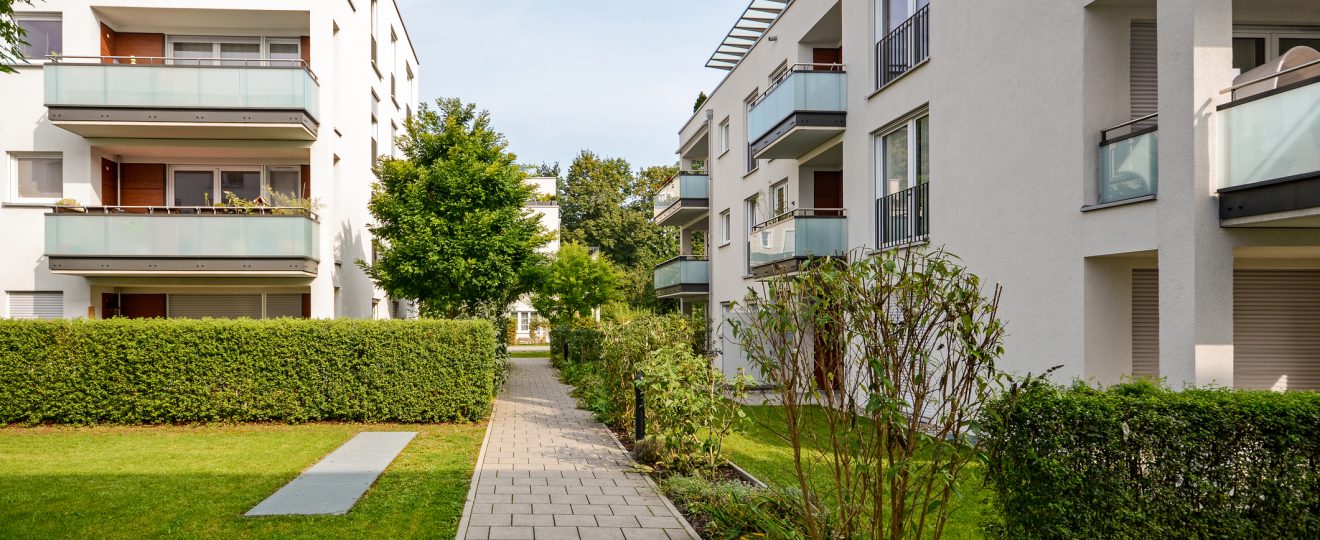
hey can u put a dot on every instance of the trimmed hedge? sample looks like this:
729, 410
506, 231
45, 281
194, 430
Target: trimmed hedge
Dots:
1137, 461
152, 371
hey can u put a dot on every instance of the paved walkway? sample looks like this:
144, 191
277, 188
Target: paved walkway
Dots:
549, 471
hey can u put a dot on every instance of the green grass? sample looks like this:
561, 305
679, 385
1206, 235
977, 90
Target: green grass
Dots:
196, 482
529, 354
760, 449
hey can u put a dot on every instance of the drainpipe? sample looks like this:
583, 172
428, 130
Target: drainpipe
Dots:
119, 181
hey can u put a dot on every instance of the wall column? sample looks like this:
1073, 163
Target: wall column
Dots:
1195, 256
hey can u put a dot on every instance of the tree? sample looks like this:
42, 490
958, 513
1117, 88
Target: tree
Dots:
454, 234
11, 36
574, 284
701, 100
548, 171
606, 206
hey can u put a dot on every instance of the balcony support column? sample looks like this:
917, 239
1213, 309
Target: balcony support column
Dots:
685, 241
1195, 256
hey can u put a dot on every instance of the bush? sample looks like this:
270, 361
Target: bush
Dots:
168, 371
735, 510
1137, 461
686, 409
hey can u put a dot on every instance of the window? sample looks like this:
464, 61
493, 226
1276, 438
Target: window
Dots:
726, 232
233, 51
43, 32
191, 185
779, 198
36, 305
752, 162
750, 208
724, 136
524, 322
1253, 47
38, 177
374, 25
375, 127
902, 173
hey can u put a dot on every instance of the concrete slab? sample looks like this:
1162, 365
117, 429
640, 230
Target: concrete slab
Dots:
334, 485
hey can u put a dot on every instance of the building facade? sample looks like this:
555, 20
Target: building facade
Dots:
545, 205
208, 160
1141, 176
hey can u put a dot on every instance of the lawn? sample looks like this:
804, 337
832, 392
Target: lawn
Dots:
196, 482
529, 354
760, 449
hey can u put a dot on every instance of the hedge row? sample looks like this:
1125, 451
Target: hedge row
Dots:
169, 371
1137, 461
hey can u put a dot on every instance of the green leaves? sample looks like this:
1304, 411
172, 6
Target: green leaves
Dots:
452, 229
573, 284
148, 371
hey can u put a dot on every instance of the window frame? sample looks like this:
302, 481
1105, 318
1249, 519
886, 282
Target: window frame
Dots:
726, 228
13, 193
216, 171
1272, 34
263, 42
779, 198
752, 164
46, 16
879, 163
725, 136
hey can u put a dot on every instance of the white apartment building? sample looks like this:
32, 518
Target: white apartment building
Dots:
545, 205
141, 115
1141, 176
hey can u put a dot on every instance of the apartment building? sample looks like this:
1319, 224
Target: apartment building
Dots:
1141, 176
545, 205
207, 158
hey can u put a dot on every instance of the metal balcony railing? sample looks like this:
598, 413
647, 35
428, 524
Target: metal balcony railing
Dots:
903, 48
903, 217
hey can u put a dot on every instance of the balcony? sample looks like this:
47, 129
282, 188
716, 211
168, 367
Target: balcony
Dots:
802, 110
156, 98
1129, 163
146, 241
684, 198
782, 244
1269, 153
682, 277
904, 217
903, 48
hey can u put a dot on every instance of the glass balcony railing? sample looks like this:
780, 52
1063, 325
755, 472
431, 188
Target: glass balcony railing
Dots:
181, 236
679, 271
805, 88
799, 234
1271, 137
1129, 164
682, 186
148, 85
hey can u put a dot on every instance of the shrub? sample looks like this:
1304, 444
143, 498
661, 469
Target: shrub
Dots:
736, 510
686, 409
1137, 461
168, 371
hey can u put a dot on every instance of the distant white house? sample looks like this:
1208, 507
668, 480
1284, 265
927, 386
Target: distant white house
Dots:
546, 205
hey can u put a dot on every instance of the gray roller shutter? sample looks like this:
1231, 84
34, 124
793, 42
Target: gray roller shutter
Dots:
220, 306
36, 305
1276, 329
1146, 323
283, 305
1143, 71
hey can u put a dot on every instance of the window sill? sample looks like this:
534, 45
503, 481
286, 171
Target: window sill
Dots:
751, 172
1124, 202
30, 204
898, 78
722, 152
725, 244
909, 245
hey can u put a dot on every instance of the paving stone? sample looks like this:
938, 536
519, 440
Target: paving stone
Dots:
512, 533
533, 520
574, 520
600, 533
557, 533
617, 521
642, 534
333, 485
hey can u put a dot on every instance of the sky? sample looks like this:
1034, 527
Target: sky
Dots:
617, 77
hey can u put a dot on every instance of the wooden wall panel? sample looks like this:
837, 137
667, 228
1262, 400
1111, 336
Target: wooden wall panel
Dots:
306, 174
305, 45
109, 183
142, 184
141, 45
133, 306
108, 41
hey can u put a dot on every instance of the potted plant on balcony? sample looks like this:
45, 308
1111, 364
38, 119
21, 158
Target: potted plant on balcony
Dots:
69, 206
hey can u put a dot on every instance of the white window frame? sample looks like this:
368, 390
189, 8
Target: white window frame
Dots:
40, 16
524, 322
779, 198
724, 136
726, 228
1272, 34
215, 170
881, 185
263, 41
13, 194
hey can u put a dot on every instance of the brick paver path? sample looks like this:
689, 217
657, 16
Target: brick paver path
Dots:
549, 471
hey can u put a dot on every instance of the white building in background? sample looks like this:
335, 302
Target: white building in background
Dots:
1148, 207
145, 113
545, 204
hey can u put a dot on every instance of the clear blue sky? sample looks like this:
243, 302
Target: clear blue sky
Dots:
618, 77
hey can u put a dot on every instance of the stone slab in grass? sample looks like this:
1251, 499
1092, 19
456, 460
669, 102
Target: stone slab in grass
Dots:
334, 485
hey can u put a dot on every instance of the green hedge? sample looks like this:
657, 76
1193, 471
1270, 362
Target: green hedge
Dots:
169, 371
1136, 461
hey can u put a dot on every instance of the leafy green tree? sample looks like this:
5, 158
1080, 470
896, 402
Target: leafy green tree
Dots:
453, 231
701, 100
547, 170
574, 284
11, 36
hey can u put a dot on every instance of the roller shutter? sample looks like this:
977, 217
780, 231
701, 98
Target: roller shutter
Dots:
1143, 72
36, 305
1146, 323
283, 305
220, 306
1276, 329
